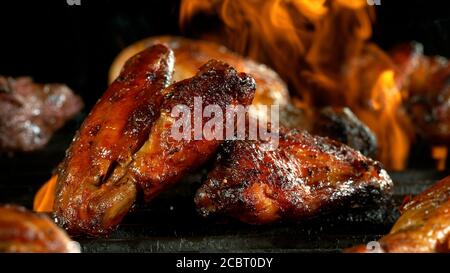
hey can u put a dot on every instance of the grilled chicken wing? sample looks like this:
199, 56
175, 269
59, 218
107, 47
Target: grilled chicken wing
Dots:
303, 177
191, 54
424, 225
164, 160
114, 130
125, 145
24, 231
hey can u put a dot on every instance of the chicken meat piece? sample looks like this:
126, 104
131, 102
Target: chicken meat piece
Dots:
424, 225
191, 54
30, 113
427, 82
126, 146
303, 177
24, 231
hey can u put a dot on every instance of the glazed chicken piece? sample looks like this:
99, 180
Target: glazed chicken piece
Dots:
24, 231
424, 225
125, 145
191, 54
303, 177
427, 81
30, 112
115, 129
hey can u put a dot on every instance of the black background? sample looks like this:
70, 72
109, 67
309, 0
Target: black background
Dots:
54, 42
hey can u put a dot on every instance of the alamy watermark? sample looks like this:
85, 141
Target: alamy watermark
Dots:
235, 122
73, 2
373, 2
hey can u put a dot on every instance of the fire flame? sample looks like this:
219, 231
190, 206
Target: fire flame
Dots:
44, 198
321, 49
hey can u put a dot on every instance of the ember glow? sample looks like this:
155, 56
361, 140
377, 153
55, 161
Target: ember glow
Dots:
322, 50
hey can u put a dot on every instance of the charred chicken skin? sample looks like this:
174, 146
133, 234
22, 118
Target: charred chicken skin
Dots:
424, 225
24, 231
303, 177
125, 144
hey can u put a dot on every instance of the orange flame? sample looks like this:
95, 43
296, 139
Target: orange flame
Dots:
321, 49
386, 122
45, 197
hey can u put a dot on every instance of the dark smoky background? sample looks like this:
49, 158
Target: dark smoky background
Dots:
53, 41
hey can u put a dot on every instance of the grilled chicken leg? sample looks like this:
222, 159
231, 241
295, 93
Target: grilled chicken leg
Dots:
125, 145
303, 177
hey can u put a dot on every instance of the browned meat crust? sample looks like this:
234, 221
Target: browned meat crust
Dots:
304, 177
125, 144
115, 129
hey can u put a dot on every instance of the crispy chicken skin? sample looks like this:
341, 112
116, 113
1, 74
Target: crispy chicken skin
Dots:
424, 225
191, 54
303, 177
86, 200
24, 231
125, 146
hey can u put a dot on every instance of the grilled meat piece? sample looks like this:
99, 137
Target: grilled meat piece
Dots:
338, 123
303, 177
126, 143
30, 113
424, 225
427, 80
24, 231
191, 54
115, 129
163, 160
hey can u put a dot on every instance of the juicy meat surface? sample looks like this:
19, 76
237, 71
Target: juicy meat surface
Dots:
163, 160
113, 131
24, 231
304, 177
191, 54
126, 146
424, 225
30, 113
